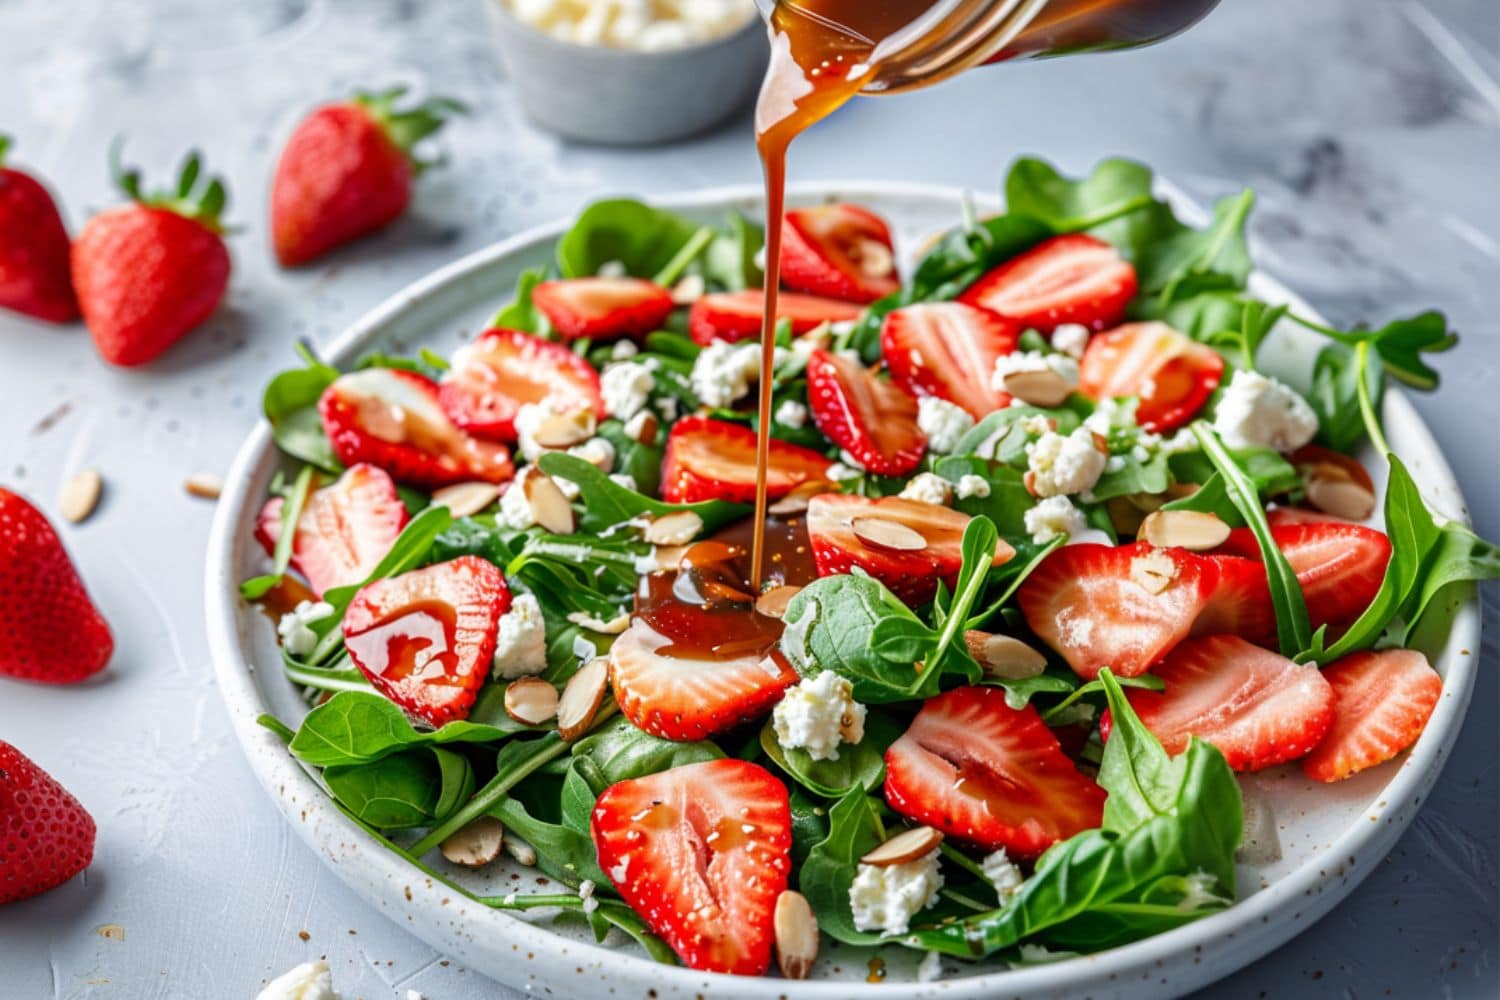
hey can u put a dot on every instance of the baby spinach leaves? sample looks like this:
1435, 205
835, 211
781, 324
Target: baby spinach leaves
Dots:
290, 403
643, 238
294, 498
831, 625
360, 728
854, 829
521, 313
607, 503
860, 766
407, 789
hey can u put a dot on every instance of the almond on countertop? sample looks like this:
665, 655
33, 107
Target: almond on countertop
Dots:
80, 495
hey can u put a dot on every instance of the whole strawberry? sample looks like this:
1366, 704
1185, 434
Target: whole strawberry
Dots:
46, 837
49, 629
34, 275
347, 170
149, 271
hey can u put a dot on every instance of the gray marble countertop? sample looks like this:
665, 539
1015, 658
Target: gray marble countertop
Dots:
1370, 129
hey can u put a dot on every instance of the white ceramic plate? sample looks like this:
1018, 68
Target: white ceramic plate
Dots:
1330, 836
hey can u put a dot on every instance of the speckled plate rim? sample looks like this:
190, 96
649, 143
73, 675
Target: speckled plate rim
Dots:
492, 941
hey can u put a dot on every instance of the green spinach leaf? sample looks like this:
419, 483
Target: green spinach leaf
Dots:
290, 403
607, 503
360, 728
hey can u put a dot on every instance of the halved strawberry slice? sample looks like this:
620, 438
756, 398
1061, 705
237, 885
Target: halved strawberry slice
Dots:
710, 459
1241, 602
842, 251
602, 308
907, 545
702, 852
1068, 279
425, 638
1170, 373
948, 350
1276, 516
345, 529
492, 378
738, 315
1339, 565
676, 692
989, 775
1122, 607
392, 418
1381, 703
1256, 706
873, 419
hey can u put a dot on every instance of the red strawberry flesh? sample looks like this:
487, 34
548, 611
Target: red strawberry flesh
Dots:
708, 459
842, 251
603, 308
1170, 374
503, 370
1381, 703
873, 419
948, 350
1073, 278
736, 316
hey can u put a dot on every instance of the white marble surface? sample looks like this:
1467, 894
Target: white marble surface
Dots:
1371, 129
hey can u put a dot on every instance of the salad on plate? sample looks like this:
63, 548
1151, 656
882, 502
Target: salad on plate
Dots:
1048, 560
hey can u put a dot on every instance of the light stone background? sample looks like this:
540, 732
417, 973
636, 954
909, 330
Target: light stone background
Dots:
1370, 128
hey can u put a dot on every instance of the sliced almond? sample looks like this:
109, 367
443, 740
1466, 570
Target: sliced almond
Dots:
564, 430
581, 698
1344, 498
465, 499
643, 427
773, 602
688, 290
1194, 530
909, 845
531, 701
1038, 386
614, 626
796, 501
549, 507
1154, 571
203, 485
676, 528
668, 557
874, 258
522, 852
476, 843
80, 495
888, 534
1004, 656
796, 929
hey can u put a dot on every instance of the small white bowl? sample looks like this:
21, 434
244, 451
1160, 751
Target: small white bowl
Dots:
627, 97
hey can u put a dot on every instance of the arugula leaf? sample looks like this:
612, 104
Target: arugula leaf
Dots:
1400, 344
428, 364
1191, 261
643, 238
1115, 201
1268, 472
854, 828
978, 553
641, 462
293, 501
861, 766
1334, 396
290, 403
359, 728
607, 503
729, 261
562, 852
1134, 476
521, 313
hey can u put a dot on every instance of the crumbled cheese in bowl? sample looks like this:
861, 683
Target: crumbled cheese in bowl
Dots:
521, 643
643, 25
886, 898
1059, 465
1259, 410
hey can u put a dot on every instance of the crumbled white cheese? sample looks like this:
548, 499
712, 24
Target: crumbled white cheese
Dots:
521, 643
1071, 338
623, 350
838, 473
624, 479
886, 898
1257, 410
931, 968
970, 485
584, 648
598, 452
612, 269
723, 372
1036, 954
643, 25
515, 510
791, 414
1201, 891
1060, 465
626, 387
1052, 517
942, 422
532, 416
928, 488
1036, 424
635, 428
586, 893
308, 981
1062, 365
295, 627
415, 995
1111, 415
1002, 873
817, 714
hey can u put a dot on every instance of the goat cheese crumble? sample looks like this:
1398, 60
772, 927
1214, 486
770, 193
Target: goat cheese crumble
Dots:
970, 485
1071, 338
295, 627
1063, 365
1258, 410
521, 643
626, 387
791, 414
817, 714
643, 25
1053, 517
723, 372
1002, 872
928, 488
886, 898
1059, 465
942, 422
308, 981
531, 417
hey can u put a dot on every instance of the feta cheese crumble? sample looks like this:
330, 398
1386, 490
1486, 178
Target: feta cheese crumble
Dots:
1071, 338
521, 643
838, 472
1111, 415
308, 981
928, 488
1062, 365
1059, 465
295, 628
626, 387
623, 350
931, 969
970, 485
886, 898
723, 372
643, 25
942, 422
1257, 410
791, 414
586, 893
1053, 517
817, 714
624, 479
1002, 873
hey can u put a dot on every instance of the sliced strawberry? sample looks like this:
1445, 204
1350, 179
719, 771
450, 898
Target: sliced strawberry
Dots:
738, 315
1170, 373
702, 852
1381, 702
603, 308
346, 528
711, 459
842, 251
1068, 279
873, 419
1276, 516
989, 775
1241, 602
1122, 607
1256, 706
425, 638
948, 350
503, 370
678, 692
1339, 565
392, 418
907, 545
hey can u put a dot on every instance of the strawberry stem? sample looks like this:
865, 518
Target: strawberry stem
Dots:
195, 197
5, 142
410, 126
